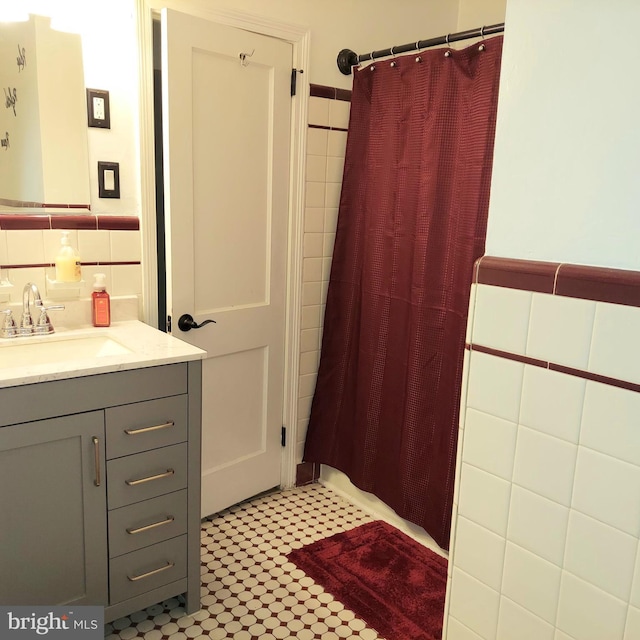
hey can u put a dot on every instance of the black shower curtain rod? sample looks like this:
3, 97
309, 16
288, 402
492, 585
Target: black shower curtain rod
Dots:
348, 58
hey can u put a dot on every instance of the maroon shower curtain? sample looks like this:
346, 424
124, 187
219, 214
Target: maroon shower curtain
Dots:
412, 220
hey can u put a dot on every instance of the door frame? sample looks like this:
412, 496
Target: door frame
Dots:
300, 39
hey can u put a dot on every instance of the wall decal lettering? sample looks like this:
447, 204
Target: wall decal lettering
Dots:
11, 98
22, 58
4, 142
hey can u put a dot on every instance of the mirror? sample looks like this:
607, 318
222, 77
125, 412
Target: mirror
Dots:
44, 163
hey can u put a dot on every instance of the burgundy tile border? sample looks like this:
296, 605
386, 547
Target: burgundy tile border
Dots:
119, 223
74, 222
509, 356
22, 204
333, 93
598, 283
322, 126
552, 366
601, 284
529, 275
22, 222
595, 377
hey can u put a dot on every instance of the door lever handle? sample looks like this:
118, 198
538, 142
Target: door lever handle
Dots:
186, 322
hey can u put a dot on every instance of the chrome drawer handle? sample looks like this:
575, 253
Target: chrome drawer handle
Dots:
150, 526
166, 474
96, 455
135, 432
152, 573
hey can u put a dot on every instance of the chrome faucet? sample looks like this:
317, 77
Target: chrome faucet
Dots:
27, 326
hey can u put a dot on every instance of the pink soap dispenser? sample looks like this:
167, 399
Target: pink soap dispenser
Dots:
100, 302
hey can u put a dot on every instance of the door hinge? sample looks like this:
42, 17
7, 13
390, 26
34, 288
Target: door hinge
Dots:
294, 80
283, 436
168, 324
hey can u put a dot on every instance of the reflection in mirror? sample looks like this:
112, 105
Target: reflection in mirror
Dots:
43, 124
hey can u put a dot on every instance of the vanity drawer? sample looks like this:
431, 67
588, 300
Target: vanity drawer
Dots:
146, 569
146, 475
133, 428
146, 523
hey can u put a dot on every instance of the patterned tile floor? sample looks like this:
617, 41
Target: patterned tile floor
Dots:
249, 588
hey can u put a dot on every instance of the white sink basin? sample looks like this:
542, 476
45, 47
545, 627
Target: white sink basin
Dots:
38, 350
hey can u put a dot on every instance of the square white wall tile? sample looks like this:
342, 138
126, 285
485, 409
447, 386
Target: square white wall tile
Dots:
484, 499
315, 194
307, 385
126, 280
332, 194
501, 318
313, 243
311, 317
545, 465
516, 623
608, 490
312, 270
531, 581
479, 552
316, 168
600, 554
610, 423
588, 613
304, 407
328, 241
632, 629
537, 524
335, 168
337, 146
125, 246
489, 443
314, 219
331, 220
311, 293
339, 113
474, 604
309, 340
615, 348
495, 385
94, 246
317, 140
25, 247
552, 402
457, 631
309, 362
319, 111
560, 329
326, 269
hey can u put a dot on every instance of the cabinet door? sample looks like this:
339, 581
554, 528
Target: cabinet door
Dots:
53, 546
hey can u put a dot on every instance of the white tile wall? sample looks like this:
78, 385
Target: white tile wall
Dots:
42, 246
550, 474
325, 164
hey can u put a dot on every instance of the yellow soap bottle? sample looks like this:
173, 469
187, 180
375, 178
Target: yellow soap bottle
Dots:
67, 262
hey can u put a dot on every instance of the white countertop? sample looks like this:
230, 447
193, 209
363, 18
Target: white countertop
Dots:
139, 344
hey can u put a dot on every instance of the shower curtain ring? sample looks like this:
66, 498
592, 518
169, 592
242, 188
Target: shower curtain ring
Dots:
418, 57
482, 47
393, 62
447, 53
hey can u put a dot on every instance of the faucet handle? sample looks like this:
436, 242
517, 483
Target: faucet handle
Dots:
44, 323
8, 328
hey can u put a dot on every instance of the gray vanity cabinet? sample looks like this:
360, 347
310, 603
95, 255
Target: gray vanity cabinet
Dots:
53, 512
100, 490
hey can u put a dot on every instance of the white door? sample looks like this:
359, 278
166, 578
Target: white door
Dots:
226, 104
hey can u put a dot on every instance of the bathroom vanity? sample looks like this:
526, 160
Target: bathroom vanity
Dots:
100, 470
